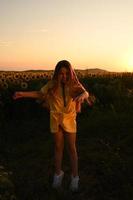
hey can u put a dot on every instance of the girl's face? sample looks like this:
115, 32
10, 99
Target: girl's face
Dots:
63, 75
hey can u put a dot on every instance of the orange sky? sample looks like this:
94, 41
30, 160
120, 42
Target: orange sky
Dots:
36, 34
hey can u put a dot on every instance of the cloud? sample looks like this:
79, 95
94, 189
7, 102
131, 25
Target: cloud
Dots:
5, 43
38, 31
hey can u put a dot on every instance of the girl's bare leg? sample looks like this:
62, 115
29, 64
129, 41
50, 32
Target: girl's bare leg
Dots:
71, 141
59, 146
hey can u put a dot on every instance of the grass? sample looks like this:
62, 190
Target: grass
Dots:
104, 143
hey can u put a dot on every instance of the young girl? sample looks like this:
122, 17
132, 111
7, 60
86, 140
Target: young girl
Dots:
63, 95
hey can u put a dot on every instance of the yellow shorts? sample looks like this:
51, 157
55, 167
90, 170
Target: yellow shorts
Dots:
66, 120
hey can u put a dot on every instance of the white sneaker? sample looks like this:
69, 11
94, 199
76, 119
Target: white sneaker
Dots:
74, 183
57, 181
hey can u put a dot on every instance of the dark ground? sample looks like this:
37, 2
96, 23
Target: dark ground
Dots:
104, 143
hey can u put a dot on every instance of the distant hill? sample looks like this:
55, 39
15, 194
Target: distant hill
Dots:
83, 71
79, 71
93, 71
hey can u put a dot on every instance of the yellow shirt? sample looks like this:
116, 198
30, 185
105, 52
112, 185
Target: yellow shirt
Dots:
60, 115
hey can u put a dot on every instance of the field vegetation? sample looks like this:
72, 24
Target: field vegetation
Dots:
104, 140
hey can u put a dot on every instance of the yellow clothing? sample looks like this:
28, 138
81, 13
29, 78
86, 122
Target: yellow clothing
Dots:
60, 115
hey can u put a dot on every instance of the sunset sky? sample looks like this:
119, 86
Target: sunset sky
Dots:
36, 34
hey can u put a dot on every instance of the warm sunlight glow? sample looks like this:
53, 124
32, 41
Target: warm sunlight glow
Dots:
90, 34
127, 61
130, 64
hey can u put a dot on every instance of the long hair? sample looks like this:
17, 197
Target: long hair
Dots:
66, 64
75, 87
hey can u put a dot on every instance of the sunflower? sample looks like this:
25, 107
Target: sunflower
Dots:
4, 85
16, 76
24, 85
27, 78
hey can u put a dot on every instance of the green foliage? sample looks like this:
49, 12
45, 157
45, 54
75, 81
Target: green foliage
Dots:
7, 191
104, 142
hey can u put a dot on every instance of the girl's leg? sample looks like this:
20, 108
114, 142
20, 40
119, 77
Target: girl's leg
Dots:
71, 142
59, 146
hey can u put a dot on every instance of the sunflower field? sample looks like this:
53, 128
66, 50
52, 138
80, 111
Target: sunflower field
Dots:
104, 140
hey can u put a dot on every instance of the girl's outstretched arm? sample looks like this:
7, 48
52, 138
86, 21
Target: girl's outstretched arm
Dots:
31, 94
82, 97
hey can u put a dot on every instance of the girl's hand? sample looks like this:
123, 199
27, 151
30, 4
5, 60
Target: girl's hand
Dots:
82, 97
18, 95
91, 100
79, 99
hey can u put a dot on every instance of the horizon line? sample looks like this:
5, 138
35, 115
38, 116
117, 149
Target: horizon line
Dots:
77, 69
